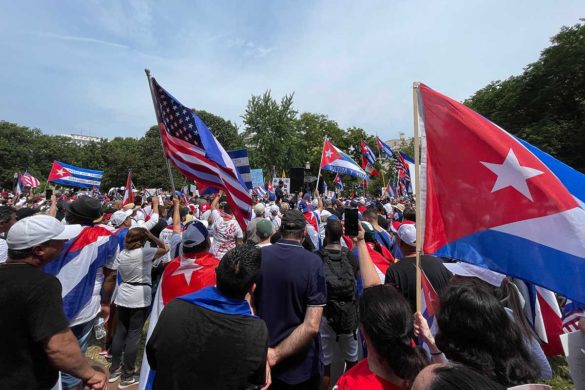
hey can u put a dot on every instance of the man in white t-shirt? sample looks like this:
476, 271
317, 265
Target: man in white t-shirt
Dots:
226, 231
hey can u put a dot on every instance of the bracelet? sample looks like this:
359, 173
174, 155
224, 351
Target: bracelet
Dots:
436, 353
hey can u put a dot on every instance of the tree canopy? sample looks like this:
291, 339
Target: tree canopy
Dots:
545, 105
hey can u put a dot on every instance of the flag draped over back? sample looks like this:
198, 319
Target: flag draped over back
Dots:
71, 175
334, 160
78, 264
197, 154
496, 201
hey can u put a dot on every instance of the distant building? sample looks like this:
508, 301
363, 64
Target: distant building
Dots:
396, 143
81, 140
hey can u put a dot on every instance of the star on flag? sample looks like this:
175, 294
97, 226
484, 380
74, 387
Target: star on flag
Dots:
511, 174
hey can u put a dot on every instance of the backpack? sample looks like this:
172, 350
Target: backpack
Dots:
341, 310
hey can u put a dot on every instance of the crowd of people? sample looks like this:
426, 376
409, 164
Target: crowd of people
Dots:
275, 304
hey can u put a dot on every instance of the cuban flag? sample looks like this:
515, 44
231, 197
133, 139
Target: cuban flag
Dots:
70, 175
370, 170
545, 317
260, 191
390, 190
493, 200
128, 194
367, 152
429, 305
78, 268
334, 160
337, 182
384, 148
408, 162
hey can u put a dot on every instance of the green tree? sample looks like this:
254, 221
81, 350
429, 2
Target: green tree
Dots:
545, 105
271, 133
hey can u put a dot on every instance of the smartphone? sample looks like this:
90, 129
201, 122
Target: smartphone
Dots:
351, 222
48, 193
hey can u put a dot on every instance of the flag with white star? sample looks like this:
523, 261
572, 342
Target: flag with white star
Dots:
494, 200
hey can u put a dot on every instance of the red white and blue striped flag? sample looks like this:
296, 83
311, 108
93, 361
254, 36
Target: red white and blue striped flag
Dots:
197, 154
367, 152
27, 180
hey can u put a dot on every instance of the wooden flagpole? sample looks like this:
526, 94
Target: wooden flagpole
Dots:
415, 86
320, 163
158, 120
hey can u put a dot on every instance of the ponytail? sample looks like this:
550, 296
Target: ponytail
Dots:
387, 319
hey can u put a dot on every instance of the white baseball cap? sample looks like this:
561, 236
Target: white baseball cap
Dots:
35, 230
407, 233
119, 217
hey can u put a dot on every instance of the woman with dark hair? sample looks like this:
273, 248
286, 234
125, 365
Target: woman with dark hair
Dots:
475, 330
393, 360
133, 297
453, 376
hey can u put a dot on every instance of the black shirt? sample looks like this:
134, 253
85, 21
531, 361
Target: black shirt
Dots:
195, 348
403, 276
31, 310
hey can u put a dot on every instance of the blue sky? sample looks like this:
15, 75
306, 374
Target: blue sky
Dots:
77, 66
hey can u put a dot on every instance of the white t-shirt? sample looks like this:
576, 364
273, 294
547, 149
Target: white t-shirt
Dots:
165, 236
134, 266
225, 234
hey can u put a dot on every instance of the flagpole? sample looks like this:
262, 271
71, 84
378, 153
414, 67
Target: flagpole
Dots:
415, 86
320, 163
158, 120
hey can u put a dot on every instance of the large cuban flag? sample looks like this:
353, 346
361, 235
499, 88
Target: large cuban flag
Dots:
491, 199
334, 160
79, 269
71, 175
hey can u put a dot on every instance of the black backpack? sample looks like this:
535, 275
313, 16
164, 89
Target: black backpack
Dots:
341, 311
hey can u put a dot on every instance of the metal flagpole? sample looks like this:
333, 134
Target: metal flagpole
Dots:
415, 86
320, 163
158, 119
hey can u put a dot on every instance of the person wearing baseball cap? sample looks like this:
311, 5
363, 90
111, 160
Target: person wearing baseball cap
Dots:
403, 273
34, 332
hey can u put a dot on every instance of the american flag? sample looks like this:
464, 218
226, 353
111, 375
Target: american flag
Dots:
197, 154
26, 180
572, 312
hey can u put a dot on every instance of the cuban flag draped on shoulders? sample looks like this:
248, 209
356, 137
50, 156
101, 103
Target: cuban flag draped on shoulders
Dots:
334, 160
493, 200
79, 269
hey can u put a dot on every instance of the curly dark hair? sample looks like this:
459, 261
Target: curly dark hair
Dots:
475, 330
386, 318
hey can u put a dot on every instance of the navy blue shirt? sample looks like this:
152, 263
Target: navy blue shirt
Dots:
291, 279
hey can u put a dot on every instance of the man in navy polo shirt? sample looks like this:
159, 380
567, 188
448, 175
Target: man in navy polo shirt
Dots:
290, 297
